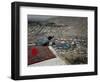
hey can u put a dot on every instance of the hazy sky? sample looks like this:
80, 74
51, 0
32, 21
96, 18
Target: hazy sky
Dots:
39, 17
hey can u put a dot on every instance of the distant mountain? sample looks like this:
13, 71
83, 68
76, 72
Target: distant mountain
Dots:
75, 25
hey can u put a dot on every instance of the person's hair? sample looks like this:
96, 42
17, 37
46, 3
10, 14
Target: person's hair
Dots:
50, 37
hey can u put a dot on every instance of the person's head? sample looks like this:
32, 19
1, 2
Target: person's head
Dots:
50, 37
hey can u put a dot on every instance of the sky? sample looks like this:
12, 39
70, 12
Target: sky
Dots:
39, 17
